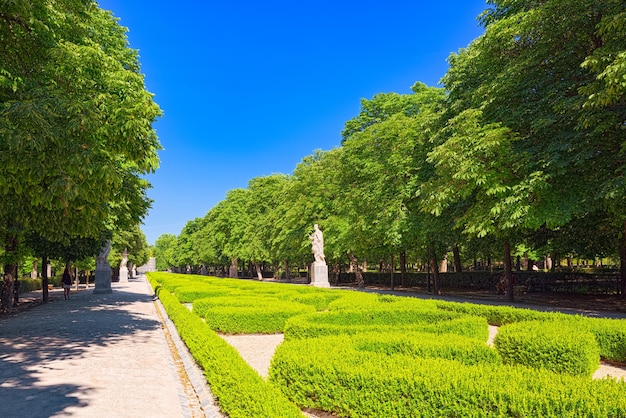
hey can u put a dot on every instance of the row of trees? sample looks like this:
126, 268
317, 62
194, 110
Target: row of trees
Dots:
76, 132
523, 149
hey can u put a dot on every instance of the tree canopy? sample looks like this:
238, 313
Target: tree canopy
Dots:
76, 121
524, 146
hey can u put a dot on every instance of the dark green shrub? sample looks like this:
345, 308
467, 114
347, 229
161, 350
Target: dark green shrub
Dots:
556, 346
29, 285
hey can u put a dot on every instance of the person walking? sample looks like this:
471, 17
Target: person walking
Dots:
67, 282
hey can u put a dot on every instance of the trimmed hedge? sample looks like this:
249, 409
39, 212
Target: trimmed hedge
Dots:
610, 334
499, 315
385, 320
249, 315
468, 351
330, 374
556, 346
240, 390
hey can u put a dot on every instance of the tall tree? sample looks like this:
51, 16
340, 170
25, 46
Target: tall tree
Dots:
517, 88
75, 123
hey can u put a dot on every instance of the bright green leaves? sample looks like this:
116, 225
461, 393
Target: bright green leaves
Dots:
75, 120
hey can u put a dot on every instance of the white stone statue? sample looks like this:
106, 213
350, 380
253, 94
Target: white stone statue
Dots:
317, 243
103, 271
123, 269
102, 258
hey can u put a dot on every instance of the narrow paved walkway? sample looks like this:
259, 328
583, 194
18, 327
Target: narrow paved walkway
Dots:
92, 356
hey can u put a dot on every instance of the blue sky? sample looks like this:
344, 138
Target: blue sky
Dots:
249, 88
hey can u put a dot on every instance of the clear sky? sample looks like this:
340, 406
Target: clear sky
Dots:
249, 88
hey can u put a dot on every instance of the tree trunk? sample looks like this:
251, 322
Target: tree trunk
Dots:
622, 262
259, 274
10, 274
44, 279
357, 271
444, 264
458, 267
287, 272
403, 268
434, 267
393, 267
508, 271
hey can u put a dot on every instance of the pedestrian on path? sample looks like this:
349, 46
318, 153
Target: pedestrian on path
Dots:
67, 282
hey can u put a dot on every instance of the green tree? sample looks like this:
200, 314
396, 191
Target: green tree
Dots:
514, 100
164, 251
384, 150
75, 125
134, 242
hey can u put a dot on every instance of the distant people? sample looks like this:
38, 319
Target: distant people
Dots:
67, 282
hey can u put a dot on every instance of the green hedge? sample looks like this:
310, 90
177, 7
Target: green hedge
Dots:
250, 315
468, 351
330, 374
29, 285
556, 346
241, 392
610, 334
499, 315
190, 293
385, 320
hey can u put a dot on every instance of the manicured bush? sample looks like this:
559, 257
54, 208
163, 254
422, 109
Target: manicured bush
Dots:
189, 293
556, 346
318, 299
499, 315
241, 392
610, 334
264, 318
333, 376
29, 285
385, 320
428, 345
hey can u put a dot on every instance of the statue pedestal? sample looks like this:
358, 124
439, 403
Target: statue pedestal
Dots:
123, 274
319, 274
103, 279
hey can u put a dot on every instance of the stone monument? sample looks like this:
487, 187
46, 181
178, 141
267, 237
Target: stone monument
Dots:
319, 269
103, 271
123, 267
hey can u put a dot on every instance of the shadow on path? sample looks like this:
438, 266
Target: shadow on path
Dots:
37, 345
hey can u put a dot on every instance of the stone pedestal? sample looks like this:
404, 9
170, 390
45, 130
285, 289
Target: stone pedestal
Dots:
103, 279
123, 267
103, 271
233, 271
124, 274
319, 274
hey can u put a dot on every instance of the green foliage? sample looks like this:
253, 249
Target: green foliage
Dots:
557, 346
241, 392
385, 320
499, 315
445, 345
29, 285
610, 335
263, 319
331, 374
